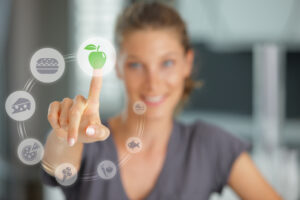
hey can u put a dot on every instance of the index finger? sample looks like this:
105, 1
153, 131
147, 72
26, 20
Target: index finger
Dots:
95, 87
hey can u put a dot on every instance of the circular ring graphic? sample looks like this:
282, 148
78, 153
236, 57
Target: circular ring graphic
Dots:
30, 151
134, 144
96, 53
65, 174
107, 169
139, 107
20, 105
47, 65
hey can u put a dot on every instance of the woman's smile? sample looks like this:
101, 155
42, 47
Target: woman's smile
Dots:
153, 100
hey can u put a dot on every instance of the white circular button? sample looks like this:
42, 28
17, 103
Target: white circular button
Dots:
20, 105
96, 54
47, 65
30, 151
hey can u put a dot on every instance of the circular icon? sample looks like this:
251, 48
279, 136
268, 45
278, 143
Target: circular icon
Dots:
107, 169
47, 65
96, 54
139, 107
134, 144
20, 105
65, 174
30, 151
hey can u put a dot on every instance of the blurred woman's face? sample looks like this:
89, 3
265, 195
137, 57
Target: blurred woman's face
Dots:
154, 65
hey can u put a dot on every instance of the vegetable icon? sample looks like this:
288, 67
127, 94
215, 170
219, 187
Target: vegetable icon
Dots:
96, 58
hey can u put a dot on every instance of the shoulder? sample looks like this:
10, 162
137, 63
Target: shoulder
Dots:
214, 146
211, 138
201, 130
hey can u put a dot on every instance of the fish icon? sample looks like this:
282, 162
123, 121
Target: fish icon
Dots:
133, 144
21, 105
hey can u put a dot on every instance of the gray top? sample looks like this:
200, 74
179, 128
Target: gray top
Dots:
198, 163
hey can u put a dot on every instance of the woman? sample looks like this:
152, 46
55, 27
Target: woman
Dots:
177, 161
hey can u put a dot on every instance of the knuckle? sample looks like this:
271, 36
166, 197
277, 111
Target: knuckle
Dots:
51, 117
67, 100
53, 104
80, 98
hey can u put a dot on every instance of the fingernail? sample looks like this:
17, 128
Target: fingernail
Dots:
90, 131
71, 142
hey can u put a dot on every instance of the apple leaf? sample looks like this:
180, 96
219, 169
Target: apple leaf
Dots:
91, 47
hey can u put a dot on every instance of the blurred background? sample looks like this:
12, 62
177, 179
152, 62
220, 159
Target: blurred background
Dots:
247, 55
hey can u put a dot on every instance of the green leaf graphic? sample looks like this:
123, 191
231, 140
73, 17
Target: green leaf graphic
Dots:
91, 47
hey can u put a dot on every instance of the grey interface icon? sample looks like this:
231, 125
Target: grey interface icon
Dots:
67, 173
107, 169
21, 105
47, 65
133, 144
139, 107
30, 152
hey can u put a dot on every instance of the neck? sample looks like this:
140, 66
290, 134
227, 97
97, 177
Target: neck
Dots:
152, 131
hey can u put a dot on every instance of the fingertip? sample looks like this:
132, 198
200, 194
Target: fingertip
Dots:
102, 132
106, 133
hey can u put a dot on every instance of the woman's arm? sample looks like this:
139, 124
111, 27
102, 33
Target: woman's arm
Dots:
57, 151
73, 122
247, 181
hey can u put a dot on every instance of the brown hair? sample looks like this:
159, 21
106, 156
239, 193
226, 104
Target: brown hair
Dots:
155, 15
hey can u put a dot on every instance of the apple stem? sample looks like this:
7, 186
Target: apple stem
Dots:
98, 48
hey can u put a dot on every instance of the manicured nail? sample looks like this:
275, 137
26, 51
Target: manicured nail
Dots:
71, 142
90, 131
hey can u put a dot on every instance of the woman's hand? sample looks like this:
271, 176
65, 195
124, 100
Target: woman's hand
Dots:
79, 120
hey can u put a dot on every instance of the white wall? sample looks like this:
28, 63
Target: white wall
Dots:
242, 22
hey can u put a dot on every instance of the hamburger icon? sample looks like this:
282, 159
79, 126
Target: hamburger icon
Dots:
47, 65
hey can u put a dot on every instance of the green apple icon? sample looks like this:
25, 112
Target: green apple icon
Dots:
96, 58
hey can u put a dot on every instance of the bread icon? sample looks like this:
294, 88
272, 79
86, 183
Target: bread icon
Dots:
47, 65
